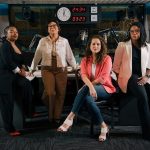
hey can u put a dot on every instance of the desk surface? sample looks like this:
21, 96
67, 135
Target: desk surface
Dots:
37, 74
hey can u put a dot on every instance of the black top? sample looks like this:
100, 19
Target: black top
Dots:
136, 61
9, 59
18, 59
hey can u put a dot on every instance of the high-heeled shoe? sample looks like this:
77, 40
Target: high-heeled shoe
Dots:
65, 126
104, 133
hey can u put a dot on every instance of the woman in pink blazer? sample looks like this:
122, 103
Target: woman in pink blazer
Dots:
132, 66
95, 72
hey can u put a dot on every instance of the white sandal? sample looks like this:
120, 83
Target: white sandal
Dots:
65, 126
104, 133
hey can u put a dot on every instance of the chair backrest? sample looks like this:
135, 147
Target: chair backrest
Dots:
115, 83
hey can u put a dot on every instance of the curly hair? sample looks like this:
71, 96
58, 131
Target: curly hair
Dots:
101, 54
141, 41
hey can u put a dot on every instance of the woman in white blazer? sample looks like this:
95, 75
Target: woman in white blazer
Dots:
132, 67
55, 54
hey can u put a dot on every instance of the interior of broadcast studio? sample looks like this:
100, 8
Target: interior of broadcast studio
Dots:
110, 19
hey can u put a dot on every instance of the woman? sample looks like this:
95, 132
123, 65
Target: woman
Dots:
12, 74
95, 72
54, 52
132, 66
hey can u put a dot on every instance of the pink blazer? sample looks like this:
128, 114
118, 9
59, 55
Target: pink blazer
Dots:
123, 62
102, 74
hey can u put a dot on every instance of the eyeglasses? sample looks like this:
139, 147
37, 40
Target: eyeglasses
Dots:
52, 25
134, 31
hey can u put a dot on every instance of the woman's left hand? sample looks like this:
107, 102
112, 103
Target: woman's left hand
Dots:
22, 72
94, 82
142, 80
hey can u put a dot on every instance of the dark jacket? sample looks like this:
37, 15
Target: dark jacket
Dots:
9, 60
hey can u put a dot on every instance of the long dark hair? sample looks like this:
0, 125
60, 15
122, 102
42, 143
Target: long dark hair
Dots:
141, 41
100, 55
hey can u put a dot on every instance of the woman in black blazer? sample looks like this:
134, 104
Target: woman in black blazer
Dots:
12, 74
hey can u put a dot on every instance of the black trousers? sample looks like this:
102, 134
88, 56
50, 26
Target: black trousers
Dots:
142, 93
22, 87
6, 106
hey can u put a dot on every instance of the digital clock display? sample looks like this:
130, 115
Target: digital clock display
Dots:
78, 14
78, 9
78, 19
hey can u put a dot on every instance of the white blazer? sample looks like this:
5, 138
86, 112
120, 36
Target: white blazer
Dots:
43, 52
122, 64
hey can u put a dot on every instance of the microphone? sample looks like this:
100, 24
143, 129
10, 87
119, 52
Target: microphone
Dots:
35, 41
83, 35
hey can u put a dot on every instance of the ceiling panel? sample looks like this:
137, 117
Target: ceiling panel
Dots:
74, 1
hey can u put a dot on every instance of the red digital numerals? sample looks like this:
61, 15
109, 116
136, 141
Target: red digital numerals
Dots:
78, 9
78, 18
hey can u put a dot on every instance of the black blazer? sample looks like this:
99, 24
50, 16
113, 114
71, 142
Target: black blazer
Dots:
8, 62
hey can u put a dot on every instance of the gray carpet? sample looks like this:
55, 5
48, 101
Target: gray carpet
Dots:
78, 138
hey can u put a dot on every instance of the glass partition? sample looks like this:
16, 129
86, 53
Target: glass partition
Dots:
31, 20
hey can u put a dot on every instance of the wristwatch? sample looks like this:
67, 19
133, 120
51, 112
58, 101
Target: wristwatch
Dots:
147, 75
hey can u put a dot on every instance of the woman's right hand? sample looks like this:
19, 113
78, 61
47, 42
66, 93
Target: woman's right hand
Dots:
91, 87
93, 93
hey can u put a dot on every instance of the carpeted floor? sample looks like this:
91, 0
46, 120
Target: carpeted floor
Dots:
78, 138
